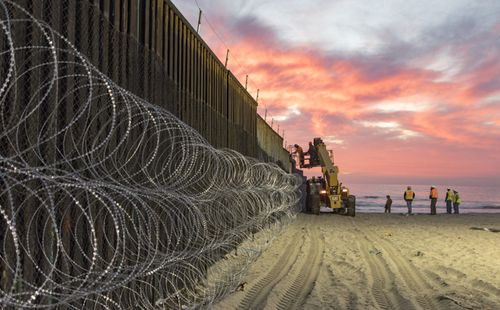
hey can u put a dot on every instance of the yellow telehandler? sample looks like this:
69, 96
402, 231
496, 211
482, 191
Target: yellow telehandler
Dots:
332, 193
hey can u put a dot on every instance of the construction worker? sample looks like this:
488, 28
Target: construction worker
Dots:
433, 196
450, 197
388, 204
456, 202
313, 154
408, 196
300, 152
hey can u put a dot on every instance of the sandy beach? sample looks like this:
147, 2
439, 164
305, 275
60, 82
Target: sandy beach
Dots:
377, 261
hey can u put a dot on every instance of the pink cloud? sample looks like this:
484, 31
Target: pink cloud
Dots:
444, 129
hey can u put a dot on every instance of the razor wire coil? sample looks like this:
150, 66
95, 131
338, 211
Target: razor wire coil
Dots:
108, 201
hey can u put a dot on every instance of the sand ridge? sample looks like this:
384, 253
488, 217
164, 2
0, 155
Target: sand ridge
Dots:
377, 261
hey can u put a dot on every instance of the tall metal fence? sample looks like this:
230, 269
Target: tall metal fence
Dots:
271, 146
148, 47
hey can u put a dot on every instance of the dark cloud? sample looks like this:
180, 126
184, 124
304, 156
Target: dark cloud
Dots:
375, 68
341, 123
251, 28
487, 87
337, 118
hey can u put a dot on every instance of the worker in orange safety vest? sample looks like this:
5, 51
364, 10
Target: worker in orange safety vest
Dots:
433, 197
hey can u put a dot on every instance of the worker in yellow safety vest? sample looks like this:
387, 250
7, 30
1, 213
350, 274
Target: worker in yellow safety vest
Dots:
408, 196
456, 201
433, 196
450, 198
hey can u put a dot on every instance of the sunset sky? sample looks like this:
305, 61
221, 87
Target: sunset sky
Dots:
402, 91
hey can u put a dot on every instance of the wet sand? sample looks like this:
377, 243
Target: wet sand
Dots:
377, 261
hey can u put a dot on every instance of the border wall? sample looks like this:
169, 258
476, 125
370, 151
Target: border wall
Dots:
270, 146
149, 48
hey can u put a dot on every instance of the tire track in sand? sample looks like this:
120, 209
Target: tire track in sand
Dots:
383, 288
256, 296
302, 284
407, 272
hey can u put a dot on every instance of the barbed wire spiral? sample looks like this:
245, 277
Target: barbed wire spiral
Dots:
108, 201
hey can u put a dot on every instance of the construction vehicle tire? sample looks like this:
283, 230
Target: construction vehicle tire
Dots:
351, 205
315, 205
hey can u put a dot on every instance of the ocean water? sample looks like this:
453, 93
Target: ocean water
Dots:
475, 199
